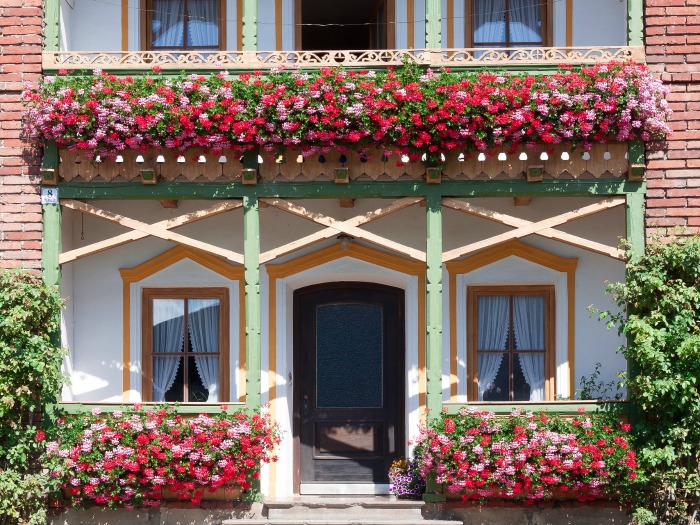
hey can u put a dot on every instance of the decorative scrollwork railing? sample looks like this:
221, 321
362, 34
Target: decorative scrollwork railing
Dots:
265, 60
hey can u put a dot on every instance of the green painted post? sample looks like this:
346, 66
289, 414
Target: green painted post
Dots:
634, 214
433, 24
51, 25
635, 22
433, 358
51, 218
250, 25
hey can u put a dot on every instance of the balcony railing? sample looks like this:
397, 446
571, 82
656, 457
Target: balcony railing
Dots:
265, 60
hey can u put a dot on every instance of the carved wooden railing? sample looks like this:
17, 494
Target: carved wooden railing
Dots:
603, 161
264, 60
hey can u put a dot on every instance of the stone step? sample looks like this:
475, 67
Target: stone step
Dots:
342, 508
339, 521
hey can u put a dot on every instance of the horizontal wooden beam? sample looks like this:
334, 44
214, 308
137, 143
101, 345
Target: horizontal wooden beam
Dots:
559, 407
330, 190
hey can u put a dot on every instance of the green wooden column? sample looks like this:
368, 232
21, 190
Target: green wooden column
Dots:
51, 25
51, 218
433, 24
635, 22
433, 358
250, 25
251, 254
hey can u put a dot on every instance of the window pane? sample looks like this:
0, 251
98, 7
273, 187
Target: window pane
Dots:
203, 23
203, 379
525, 21
493, 318
528, 322
168, 23
531, 366
168, 379
494, 376
489, 21
349, 360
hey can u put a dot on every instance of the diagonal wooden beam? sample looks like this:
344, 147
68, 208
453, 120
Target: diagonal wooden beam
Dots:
134, 235
533, 227
151, 229
330, 232
550, 233
350, 227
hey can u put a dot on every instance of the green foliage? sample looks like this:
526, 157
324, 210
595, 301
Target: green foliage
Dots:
662, 323
30, 377
592, 387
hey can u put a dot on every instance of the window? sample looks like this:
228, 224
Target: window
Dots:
184, 24
508, 23
344, 24
185, 345
511, 339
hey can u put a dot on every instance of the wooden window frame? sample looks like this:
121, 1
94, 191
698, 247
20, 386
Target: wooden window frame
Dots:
547, 10
146, 33
147, 295
390, 6
548, 292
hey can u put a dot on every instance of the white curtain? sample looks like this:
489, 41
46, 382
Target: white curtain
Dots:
528, 326
525, 21
492, 319
203, 320
489, 21
203, 25
168, 337
168, 23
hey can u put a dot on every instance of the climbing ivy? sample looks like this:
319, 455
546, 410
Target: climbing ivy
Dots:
660, 315
30, 378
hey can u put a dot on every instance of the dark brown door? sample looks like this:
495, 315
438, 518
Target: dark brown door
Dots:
348, 382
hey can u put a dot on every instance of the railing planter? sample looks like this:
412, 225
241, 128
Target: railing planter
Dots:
139, 457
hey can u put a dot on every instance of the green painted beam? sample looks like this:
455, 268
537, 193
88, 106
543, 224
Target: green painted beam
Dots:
433, 24
250, 25
559, 407
51, 25
635, 22
330, 190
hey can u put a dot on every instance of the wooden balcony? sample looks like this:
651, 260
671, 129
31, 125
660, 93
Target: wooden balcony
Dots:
520, 58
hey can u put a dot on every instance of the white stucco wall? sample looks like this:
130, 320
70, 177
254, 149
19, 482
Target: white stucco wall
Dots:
95, 26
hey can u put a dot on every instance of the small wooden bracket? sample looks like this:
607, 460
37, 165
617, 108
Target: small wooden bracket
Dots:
535, 173
635, 172
433, 175
169, 203
148, 176
49, 176
346, 202
341, 175
522, 201
249, 176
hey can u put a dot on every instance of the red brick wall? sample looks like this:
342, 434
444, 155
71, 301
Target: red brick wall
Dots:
672, 33
21, 23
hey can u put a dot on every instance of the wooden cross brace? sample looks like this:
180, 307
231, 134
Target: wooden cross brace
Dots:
543, 228
349, 227
141, 230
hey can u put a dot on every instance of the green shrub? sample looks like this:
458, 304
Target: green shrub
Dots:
661, 299
30, 378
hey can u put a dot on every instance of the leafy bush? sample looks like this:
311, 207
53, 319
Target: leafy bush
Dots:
30, 378
125, 458
661, 318
526, 455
